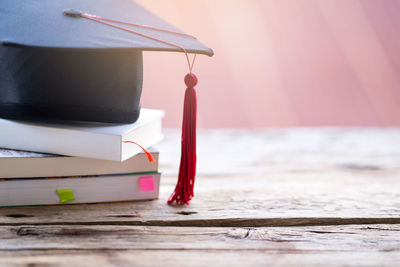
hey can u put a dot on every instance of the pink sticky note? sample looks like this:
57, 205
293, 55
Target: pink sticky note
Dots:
146, 183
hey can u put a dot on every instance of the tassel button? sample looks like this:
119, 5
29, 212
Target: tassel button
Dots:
190, 80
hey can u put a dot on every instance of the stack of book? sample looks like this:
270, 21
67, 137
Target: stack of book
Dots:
79, 162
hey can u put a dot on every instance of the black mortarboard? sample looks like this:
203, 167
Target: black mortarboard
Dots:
60, 59
53, 65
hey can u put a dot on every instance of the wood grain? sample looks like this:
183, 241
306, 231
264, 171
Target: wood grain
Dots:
355, 244
286, 177
347, 238
196, 258
294, 198
331, 195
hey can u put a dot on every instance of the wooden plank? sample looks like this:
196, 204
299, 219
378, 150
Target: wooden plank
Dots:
352, 244
310, 198
305, 238
146, 258
264, 178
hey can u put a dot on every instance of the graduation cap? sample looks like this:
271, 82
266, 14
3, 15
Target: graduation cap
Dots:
82, 60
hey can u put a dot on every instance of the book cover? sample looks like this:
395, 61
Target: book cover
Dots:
90, 140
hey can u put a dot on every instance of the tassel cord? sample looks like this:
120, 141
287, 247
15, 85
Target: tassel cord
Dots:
103, 21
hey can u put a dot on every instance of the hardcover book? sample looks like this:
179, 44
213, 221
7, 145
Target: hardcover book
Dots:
73, 190
82, 139
24, 164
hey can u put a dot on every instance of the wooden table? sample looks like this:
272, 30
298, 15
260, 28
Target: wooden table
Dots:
276, 197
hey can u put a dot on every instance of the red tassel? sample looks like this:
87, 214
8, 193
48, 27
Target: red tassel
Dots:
187, 170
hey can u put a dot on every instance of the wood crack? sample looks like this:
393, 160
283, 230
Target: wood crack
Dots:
230, 222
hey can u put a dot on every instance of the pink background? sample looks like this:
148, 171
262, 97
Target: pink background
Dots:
282, 62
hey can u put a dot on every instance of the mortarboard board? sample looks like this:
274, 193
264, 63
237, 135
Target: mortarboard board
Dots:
53, 65
57, 62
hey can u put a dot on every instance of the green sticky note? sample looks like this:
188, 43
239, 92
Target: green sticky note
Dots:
65, 195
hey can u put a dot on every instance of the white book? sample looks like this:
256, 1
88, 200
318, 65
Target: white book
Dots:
89, 140
23, 164
23, 192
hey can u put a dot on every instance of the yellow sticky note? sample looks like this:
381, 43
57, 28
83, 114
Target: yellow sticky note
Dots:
65, 195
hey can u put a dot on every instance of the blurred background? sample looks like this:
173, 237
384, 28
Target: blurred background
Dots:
282, 63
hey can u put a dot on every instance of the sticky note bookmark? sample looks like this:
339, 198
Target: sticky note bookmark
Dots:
146, 183
65, 195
